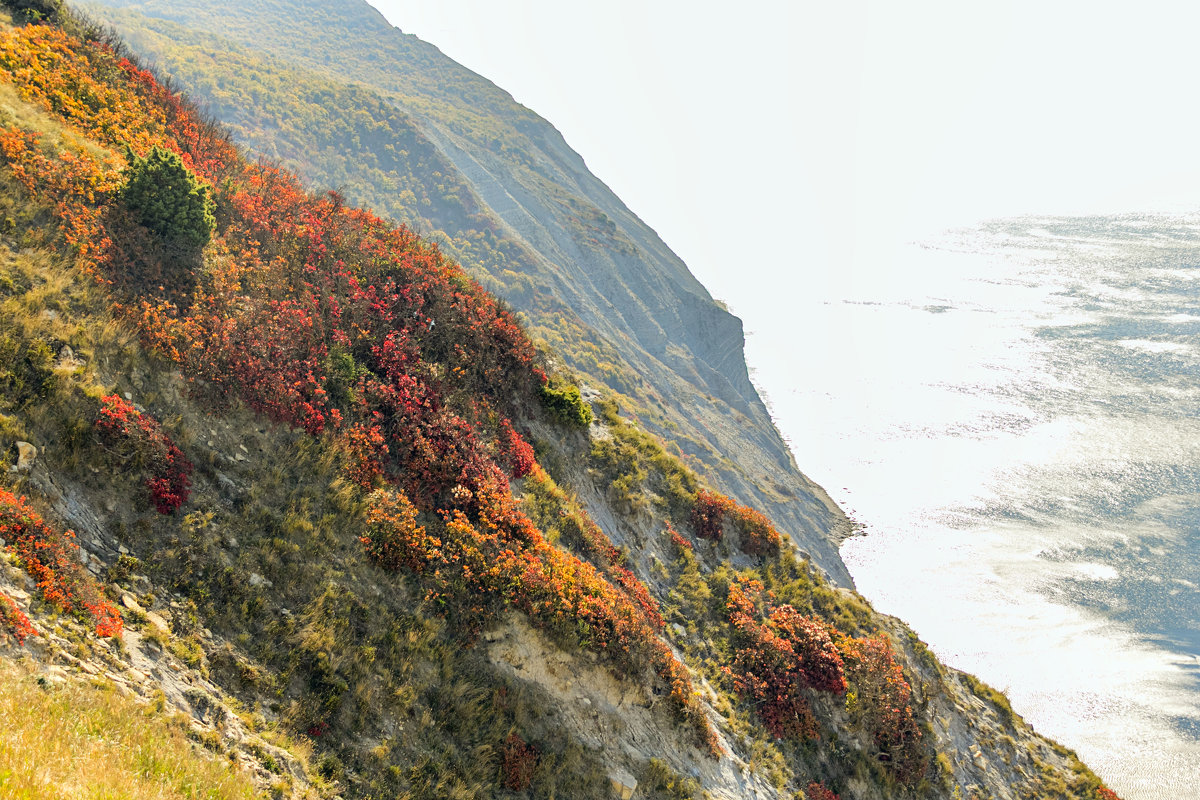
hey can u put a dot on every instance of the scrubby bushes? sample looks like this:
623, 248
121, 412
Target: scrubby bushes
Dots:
138, 440
51, 559
566, 404
757, 536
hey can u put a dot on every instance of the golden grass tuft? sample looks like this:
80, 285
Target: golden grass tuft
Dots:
86, 741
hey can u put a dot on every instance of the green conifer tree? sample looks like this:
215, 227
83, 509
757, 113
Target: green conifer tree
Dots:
167, 198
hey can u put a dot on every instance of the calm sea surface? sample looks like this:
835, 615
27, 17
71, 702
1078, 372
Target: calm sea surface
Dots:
1018, 429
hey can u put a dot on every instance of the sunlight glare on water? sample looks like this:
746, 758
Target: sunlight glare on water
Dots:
1018, 429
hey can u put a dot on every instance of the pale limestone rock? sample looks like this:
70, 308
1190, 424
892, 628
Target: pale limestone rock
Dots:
156, 620
26, 455
623, 783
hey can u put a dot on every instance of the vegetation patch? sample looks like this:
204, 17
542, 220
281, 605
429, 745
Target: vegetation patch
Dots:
57, 736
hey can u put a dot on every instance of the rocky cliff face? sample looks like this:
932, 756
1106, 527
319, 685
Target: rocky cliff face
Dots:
602, 280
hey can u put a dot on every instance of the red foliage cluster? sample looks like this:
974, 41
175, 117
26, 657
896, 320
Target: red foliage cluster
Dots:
777, 658
883, 697
818, 791
681, 544
757, 536
146, 444
515, 451
708, 514
50, 558
519, 762
13, 621
1104, 793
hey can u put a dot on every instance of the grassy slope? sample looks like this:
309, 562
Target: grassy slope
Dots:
595, 284
75, 739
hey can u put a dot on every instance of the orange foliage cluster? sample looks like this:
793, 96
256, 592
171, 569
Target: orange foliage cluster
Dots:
780, 654
884, 696
51, 559
125, 427
473, 568
589, 539
756, 533
13, 621
332, 320
681, 544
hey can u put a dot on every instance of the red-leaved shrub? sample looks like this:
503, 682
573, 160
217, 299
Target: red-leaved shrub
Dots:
519, 761
13, 621
777, 658
51, 559
818, 791
141, 440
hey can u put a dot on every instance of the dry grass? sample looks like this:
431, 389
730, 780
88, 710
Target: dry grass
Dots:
79, 740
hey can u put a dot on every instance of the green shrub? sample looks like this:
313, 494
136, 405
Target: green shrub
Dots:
166, 197
566, 404
35, 10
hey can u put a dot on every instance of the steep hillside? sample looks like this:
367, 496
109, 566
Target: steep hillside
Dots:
337, 94
285, 479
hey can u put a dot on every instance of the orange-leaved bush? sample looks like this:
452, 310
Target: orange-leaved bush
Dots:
778, 656
51, 559
13, 621
756, 535
883, 703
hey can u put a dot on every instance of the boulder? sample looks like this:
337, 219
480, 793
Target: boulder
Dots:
623, 783
26, 455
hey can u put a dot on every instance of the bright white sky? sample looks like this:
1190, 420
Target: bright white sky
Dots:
782, 147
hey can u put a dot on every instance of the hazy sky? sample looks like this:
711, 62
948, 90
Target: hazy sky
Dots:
845, 123
781, 148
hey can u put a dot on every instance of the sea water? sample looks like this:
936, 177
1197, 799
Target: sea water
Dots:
1017, 429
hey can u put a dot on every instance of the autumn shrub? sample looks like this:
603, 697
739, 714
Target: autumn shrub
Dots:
51, 559
366, 450
393, 537
13, 621
680, 544
778, 655
708, 514
516, 452
139, 440
882, 704
518, 761
818, 791
712, 510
